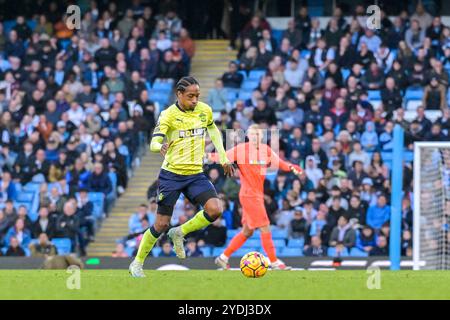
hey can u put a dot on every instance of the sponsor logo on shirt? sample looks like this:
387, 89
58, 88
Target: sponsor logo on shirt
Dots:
191, 133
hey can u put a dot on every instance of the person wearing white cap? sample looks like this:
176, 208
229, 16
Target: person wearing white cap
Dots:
312, 172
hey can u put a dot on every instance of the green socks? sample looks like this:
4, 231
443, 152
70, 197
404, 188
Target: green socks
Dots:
146, 245
199, 221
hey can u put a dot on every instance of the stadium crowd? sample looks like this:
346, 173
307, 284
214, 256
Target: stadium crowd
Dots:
77, 111
335, 93
76, 116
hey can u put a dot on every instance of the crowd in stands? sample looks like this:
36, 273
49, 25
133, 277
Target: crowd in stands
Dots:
76, 115
335, 93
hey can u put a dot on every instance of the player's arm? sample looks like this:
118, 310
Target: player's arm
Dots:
161, 129
276, 162
216, 138
231, 155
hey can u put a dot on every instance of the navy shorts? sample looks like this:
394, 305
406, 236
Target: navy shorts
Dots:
197, 188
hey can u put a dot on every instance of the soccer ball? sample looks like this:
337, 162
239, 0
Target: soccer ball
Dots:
254, 265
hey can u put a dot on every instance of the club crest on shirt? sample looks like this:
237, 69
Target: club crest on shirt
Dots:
202, 117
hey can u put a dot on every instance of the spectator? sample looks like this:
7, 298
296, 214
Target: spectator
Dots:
232, 79
414, 36
167, 250
85, 213
434, 96
192, 249
19, 232
217, 97
369, 138
43, 248
366, 239
391, 97
134, 223
44, 224
298, 225
357, 210
379, 213
68, 224
316, 249
342, 236
381, 248
215, 234
119, 252
14, 248
99, 181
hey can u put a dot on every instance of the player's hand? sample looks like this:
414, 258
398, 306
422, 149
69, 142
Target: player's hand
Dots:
164, 149
296, 169
228, 169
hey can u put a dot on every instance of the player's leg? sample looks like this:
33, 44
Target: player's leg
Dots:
235, 243
202, 192
269, 248
147, 243
212, 211
168, 195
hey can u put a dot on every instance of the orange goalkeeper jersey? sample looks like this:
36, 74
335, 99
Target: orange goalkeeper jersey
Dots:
253, 163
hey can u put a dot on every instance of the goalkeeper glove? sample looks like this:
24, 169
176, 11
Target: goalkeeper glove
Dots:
296, 169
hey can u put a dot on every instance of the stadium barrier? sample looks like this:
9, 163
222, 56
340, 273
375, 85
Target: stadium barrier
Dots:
302, 263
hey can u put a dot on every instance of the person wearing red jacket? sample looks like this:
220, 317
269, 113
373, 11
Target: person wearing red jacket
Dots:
253, 158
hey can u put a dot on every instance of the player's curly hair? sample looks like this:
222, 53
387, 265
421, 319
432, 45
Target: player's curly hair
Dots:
185, 82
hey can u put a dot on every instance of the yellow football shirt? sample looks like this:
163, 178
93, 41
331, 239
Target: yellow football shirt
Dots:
185, 132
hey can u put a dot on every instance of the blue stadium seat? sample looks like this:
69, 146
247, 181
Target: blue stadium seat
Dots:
206, 251
244, 74
413, 94
356, 252
245, 94
374, 94
217, 251
332, 252
232, 232
243, 251
4, 250
408, 156
156, 251
25, 196
8, 25
279, 243
291, 252
163, 86
97, 199
345, 73
256, 75
251, 243
32, 186
232, 94
129, 251
386, 156
279, 233
277, 35
296, 243
305, 54
63, 245
250, 84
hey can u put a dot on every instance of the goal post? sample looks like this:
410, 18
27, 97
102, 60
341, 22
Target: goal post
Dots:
431, 236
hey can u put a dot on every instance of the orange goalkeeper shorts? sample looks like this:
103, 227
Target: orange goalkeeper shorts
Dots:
254, 213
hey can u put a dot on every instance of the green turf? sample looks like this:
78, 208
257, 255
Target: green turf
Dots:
196, 284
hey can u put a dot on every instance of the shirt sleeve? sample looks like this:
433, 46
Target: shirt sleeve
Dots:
276, 162
210, 117
162, 126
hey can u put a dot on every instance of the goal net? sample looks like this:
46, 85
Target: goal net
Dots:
431, 243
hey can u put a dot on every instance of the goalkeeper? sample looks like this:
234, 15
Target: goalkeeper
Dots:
183, 125
253, 158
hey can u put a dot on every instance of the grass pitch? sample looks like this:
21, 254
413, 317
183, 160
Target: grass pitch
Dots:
209, 285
